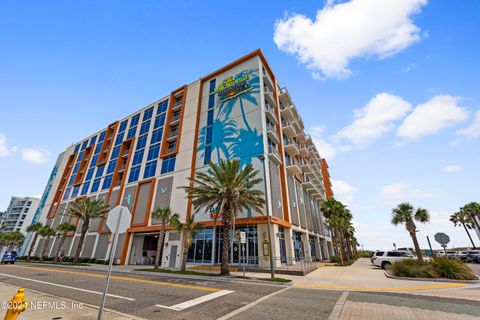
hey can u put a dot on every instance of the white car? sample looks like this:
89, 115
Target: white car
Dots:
385, 259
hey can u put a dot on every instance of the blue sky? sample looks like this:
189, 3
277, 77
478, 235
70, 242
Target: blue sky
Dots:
410, 70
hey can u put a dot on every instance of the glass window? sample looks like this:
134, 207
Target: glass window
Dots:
123, 126
70, 182
147, 115
111, 166
94, 161
90, 174
162, 106
168, 164
75, 169
84, 145
211, 101
212, 85
209, 134
95, 185
159, 121
156, 136
150, 169
93, 140
115, 152
102, 136
142, 141
107, 182
135, 120
145, 127
210, 116
153, 152
208, 154
98, 148
77, 147
134, 173
132, 132
137, 157
67, 193
85, 187
100, 171
119, 138
75, 192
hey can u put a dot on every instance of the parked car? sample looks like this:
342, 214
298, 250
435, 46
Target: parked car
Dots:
460, 255
472, 256
385, 259
9, 257
375, 253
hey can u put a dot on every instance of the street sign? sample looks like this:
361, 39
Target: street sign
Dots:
243, 237
122, 213
442, 238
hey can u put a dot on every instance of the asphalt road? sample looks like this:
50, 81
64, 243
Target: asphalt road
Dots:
169, 297
475, 268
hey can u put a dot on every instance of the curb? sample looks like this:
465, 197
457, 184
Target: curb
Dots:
231, 279
431, 279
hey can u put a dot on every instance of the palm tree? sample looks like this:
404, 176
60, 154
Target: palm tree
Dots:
86, 210
472, 209
166, 216
462, 218
338, 223
337, 216
190, 230
16, 239
46, 232
33, 228
406, 213
63, 229
227, 189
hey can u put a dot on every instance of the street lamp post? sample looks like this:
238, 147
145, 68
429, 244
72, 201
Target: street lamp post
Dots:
272, 268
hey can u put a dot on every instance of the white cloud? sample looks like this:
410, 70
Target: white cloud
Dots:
375, 119
473, 130
439, 112
404, 192
5, 150
344, 31
343, 191
452, 168
36, 156
325, 149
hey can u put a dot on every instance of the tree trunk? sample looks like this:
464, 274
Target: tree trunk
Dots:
85, 227
60, 245
349, 246
226, 220
417, 247
32, 245
44, 248
338, 241
469, 236
186, 247
159, 246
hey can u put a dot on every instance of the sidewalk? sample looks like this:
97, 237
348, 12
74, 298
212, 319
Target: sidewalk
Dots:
43, 306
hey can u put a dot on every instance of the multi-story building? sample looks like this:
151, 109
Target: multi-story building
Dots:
19, 214
326, 179
140, 161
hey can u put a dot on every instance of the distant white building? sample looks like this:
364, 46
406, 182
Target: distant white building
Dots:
19, 214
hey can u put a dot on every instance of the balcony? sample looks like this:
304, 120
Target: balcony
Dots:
270, 113
290, 147
172, 135
272, 134
269, 96
303, 150
267, 80
292, 166
308, 182
301, 138
274, 154
171, 150
306, 166
288, 129
175, 120
177, 106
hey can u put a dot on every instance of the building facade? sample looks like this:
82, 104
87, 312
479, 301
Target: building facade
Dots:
140, 161
19, 214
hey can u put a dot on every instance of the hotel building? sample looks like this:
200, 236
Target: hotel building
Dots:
19, 214
140, 161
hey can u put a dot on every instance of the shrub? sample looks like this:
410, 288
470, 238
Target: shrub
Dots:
334, 259
453, 269
439, 268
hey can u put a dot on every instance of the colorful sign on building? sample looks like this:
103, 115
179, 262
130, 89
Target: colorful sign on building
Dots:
233, 86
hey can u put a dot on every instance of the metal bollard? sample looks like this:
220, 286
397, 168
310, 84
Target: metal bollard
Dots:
16, 305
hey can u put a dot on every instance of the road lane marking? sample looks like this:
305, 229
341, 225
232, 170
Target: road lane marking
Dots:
353, 288
66, 287
196, 301
252, 304
185, 286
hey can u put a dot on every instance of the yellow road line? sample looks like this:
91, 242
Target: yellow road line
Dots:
353, 288
185, 286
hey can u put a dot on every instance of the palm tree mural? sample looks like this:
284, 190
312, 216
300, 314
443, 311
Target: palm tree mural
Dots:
226, 107
224, 134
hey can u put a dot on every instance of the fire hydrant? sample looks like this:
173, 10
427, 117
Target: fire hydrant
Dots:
16, 305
